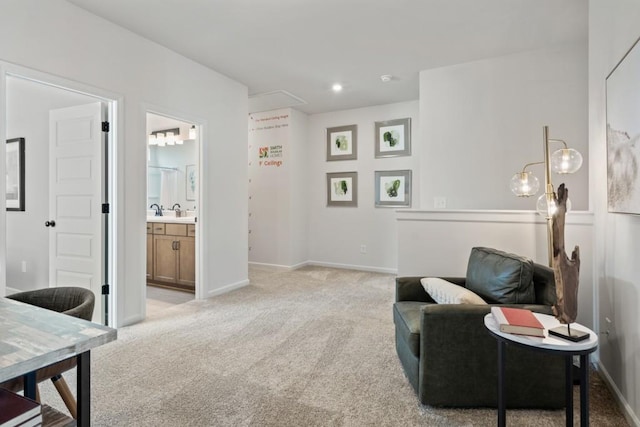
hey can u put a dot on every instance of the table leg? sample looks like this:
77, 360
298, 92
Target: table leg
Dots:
30, 385
568, 390
584, 390
84, 389
502, 416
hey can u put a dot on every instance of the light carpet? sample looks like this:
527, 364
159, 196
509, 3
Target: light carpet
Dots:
311, 347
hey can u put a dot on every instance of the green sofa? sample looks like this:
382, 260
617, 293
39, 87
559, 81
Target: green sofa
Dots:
448, 355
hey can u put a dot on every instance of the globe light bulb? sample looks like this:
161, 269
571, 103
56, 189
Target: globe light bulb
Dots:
566, 160
524, 184
546, 206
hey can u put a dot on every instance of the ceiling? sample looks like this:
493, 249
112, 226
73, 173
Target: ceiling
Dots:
302, 47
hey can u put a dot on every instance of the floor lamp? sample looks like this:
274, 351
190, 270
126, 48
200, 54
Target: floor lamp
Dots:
525, 184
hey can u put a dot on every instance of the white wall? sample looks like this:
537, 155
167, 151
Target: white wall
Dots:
613, 28
482, 122
27, 238
336, 233
299, 207
60, 39
270, 187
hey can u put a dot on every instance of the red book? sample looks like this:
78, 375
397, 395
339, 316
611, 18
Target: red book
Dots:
517, 321
16, 409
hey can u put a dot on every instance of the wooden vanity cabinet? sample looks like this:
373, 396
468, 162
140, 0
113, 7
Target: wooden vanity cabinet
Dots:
174, 256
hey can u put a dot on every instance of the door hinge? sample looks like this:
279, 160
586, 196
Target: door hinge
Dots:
105, 208
105, 289
105, 126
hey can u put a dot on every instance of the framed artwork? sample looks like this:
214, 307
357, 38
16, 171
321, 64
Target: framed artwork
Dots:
623, 134
393, 188
342, 189
191, 181
393, 138
342, 143
15, 174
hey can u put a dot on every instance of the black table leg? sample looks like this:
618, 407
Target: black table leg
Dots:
568, 390
30, 385
84, 389
502, 407
584, 390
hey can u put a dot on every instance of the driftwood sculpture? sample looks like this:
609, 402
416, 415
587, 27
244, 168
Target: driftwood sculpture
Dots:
566, 270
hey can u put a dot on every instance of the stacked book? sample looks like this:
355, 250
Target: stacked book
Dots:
18, 411
517, 321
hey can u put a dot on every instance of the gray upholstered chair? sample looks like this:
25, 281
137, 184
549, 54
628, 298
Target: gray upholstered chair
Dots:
73, 301
448, 355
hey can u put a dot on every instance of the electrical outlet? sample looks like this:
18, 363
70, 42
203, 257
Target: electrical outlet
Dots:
24, 266
440, 202
363, 249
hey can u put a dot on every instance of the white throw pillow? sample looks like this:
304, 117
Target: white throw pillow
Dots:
444, 292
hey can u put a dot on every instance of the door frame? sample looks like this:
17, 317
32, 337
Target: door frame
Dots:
200, 125
115, 165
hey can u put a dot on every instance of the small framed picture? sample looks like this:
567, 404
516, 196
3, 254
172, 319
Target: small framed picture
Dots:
393, 138
393, 188
342, 143
15, 174
342, 189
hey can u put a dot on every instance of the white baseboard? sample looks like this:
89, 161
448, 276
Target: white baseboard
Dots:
354, 267
278, 266
632, 418
227, 288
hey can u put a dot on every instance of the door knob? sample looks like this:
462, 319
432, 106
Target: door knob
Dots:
51, 223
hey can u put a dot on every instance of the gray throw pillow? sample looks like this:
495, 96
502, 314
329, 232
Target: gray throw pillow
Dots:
500, 277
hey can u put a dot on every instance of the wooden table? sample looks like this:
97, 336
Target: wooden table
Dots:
32, 338
548, 344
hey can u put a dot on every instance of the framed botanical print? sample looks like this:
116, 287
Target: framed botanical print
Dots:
393, 138
393, 188
342, 143
342, 189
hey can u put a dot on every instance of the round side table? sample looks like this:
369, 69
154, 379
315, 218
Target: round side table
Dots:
553, 345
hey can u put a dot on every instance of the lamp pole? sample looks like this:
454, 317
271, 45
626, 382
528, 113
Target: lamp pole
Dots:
549, 193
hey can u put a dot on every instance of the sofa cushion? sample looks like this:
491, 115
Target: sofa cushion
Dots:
500, 277
406, 316
444, 292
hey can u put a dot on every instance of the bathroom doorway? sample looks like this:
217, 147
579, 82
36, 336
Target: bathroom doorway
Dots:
172, 211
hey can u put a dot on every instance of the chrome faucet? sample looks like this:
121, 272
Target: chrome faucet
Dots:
173, 208
158, 210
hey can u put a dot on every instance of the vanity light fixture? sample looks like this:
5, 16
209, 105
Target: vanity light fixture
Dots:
164, 137
193, 133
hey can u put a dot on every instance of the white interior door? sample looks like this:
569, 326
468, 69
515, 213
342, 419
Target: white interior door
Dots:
75, 199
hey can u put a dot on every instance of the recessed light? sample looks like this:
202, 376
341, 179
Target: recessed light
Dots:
337, 87
386, 78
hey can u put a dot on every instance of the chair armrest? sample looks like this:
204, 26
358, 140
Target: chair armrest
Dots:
409, 288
